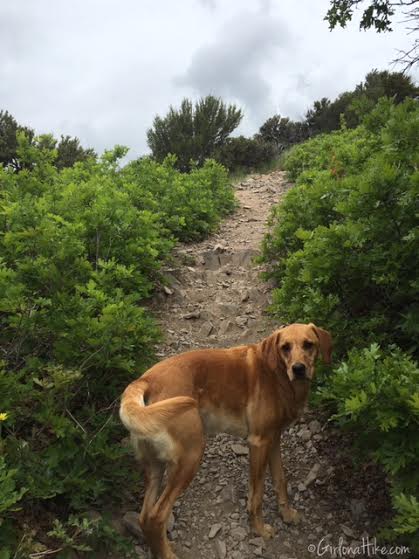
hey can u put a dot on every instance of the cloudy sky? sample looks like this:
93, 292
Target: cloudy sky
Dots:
102, 69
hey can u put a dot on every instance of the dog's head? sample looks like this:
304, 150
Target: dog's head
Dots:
295, 348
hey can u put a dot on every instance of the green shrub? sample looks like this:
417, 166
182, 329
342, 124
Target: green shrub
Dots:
350, 107
340, 153
342, 249
245, 154
193, 132
80, 250
375, 394
189, 205
406, 520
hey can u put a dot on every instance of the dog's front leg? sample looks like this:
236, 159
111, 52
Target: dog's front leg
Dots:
289, 515
259, 454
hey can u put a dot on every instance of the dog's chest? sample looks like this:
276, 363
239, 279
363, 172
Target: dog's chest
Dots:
216, 421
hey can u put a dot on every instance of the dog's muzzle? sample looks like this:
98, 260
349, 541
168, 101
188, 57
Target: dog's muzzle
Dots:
300, 371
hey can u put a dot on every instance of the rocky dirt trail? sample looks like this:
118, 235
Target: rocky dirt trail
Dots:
216, 297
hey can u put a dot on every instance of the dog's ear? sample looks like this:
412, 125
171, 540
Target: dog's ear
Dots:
270, 350
325, 342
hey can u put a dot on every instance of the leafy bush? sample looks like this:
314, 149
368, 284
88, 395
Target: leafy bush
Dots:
350, 108
342, 250
193, 132
245, 153
342, 247
282, 132
190, 205
406, 520
342, 152
80, 250
376, 395
67, 151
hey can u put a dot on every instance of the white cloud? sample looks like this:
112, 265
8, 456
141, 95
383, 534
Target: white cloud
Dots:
102, 69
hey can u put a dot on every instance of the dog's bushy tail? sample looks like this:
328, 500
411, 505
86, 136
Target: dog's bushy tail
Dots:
146, 421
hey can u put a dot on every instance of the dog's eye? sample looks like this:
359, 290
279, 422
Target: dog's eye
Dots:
285, 348
308, 345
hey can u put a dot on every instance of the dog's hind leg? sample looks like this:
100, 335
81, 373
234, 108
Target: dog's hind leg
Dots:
190, 444
153, 474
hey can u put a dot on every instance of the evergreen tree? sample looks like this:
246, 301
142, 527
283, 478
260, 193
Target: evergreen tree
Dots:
194, 131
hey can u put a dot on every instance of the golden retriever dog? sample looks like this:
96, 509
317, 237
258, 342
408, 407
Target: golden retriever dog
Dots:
253, 391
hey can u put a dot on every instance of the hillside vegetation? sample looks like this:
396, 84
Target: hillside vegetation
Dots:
80, 251
342, 250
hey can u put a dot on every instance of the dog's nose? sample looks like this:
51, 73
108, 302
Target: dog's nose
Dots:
299, 370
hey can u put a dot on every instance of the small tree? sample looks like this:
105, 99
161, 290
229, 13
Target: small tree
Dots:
194, 131
8, 141
395, 85
239, 154
69, 151
283, 132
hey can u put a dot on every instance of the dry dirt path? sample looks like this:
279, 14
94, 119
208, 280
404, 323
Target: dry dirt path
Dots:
215, 297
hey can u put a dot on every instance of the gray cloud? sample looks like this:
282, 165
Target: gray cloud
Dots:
211, 4
234, 65
102, 69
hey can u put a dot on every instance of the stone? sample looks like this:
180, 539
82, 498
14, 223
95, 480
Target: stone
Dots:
238, 534
167, 290
131, 521
193, 314
206, 329
305, 434
220, 549
257, 542
228, 327
312, 474
301, 487
240, 450
347, 531
241, 321
228, 494
357, 508
315, 426
211, 260
244, 296
215, 528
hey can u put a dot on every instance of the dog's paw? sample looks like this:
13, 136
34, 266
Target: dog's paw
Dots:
169, 555
266, 531
290, 516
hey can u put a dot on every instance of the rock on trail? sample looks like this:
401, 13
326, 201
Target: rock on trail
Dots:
215, 297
